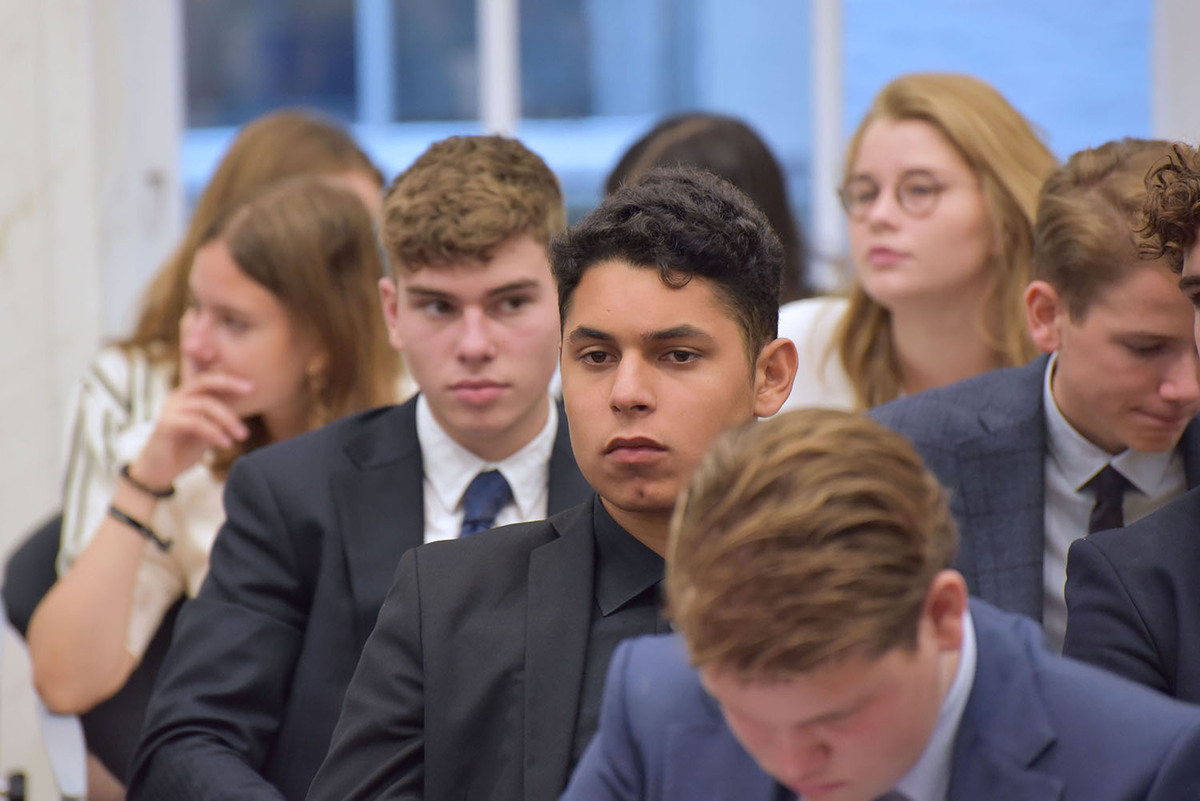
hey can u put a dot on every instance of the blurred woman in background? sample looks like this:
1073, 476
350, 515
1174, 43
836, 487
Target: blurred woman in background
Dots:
730, 149
940, 190
281, 332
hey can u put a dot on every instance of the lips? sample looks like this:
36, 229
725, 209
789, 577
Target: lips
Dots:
813, 790
478, 391
884, 257
634, 450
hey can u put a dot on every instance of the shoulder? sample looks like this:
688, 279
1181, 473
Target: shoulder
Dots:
1164, 540
658, 684
804, 318
820, 379
1084, 703
365, 438
507, 545
993, 399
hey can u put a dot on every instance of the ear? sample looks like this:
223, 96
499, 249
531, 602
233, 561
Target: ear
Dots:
774, 371
944, 606
1045, 311
389, 296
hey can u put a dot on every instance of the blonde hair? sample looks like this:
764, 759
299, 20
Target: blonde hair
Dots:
464, 197
275, 146
804, 539
1001, 147
1088, 216
313, 246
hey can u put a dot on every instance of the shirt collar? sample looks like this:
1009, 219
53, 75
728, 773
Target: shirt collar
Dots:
625, 568
526, 471
1080, 459
930, 777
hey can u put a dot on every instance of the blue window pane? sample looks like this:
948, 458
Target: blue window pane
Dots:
247, 57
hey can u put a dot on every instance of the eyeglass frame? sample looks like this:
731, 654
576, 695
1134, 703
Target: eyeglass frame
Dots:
925, 176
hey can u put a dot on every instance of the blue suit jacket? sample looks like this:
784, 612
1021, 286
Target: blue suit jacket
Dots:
1037, 727
985, 440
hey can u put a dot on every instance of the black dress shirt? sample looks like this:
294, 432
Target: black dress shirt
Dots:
628, 579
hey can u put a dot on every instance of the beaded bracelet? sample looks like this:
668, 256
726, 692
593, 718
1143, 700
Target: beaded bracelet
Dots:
140, 528
139, 486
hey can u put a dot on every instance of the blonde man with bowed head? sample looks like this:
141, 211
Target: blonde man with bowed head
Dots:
482, 679
251, 686
1096, 432
940, 188
827, 651
1133, 595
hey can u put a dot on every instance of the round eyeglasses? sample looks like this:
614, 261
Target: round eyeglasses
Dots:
917, 192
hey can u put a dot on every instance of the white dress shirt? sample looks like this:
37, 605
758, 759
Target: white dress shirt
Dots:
1070, 463
449, 468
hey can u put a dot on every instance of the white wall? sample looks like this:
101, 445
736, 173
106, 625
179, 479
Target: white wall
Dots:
91, 92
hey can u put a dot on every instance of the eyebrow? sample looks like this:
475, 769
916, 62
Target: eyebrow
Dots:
505, 289
685, 331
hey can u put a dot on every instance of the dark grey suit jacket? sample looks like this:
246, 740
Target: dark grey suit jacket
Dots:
1037, 727
985, 439
1133, 599
470, 684
252, 685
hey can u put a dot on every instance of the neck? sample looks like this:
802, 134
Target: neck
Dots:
648, 528
940, 344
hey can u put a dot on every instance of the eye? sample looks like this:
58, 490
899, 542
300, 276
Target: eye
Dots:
235, 324
1145, 349
595, 357
859, 192
436, 307
513, 303
681, 356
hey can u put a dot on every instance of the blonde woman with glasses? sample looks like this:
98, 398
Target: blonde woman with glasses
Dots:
940, 192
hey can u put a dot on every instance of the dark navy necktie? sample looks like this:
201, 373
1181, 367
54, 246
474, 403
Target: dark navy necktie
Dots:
1109, 511
486, 495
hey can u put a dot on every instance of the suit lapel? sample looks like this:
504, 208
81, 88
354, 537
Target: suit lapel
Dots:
379, 503
1002, 503
558, 619
1189, 444
566, 486
1005, 728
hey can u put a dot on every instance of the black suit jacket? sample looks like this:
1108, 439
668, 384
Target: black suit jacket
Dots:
1133, 599
252, 685
470, 684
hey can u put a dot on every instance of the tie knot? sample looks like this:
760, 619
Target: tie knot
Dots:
1108, 512
1109, 483
486, 495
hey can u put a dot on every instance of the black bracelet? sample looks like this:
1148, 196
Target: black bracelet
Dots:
137, 485
140, 528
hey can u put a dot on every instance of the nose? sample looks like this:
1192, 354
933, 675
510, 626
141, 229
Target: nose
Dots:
632, 386
476, 344
884, 210
800, 758
195, 339
1182, 381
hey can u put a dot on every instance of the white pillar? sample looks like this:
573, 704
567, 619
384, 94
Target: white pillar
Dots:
89, 205
1175, 93
497, 26
828, 222
375, 61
